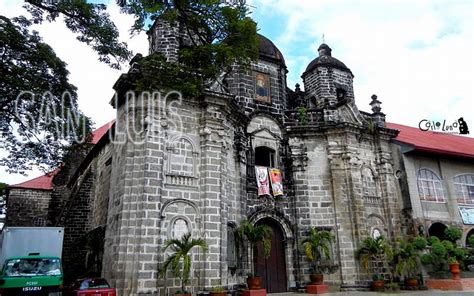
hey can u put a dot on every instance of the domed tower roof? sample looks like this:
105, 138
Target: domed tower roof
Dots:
268, 51
325, 59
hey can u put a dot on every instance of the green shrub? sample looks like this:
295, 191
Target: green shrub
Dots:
449, 246
438, 249
470, 241
453, 234
432, 240
426, 259
420, 242
460, 253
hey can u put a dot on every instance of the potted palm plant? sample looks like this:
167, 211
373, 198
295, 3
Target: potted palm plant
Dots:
406, 263
255, 234
317, 246
180, 259
371, 251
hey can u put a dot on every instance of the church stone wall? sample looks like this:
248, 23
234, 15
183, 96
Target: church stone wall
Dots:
27, 207
346, 185
242, 85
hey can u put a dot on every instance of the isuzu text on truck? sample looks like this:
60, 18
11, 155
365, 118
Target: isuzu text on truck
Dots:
31, 261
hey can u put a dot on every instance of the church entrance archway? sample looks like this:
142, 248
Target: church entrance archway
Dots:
272, 269
469, 234
437, 229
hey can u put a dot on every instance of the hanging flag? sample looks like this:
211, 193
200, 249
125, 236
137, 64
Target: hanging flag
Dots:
262, 180
276, 180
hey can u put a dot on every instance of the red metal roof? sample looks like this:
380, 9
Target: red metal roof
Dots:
100, 132
433, 142
45, 182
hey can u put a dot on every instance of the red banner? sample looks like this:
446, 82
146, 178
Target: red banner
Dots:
276, 180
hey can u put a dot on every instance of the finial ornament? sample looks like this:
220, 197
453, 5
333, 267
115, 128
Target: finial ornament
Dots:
375, 104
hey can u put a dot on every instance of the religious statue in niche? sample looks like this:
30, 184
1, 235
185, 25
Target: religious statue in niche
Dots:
262, 87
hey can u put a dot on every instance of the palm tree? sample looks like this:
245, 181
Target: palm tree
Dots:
373, 250
256, 234
406, 256
317, 245
180, 260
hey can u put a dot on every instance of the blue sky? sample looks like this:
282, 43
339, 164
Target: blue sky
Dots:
417, 56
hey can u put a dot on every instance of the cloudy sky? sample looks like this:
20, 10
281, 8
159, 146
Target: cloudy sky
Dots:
417, 56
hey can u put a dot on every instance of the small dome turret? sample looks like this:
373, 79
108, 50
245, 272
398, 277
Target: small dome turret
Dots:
268, 50
325, 59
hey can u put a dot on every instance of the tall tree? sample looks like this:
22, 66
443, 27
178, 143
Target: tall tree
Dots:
221, 34
39, 117
3, 203
90, 20
36, 98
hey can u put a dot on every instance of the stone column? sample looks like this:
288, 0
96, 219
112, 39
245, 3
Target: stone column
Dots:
348, 206
131, 248
212, 183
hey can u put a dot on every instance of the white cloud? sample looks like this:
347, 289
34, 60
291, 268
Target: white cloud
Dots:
417, 56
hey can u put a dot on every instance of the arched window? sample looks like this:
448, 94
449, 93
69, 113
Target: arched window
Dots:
180, 228
264, 156
468, 236
430, 187
38, 221
464, 185
437, 229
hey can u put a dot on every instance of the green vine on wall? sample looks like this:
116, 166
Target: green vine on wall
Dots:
302, 115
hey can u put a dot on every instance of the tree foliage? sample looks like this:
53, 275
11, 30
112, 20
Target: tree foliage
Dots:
90, 21
3, 203
220, 35
39, 117
34, 121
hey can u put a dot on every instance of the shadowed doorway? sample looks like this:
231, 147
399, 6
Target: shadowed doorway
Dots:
272, 269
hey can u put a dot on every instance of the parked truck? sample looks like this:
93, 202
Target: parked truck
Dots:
30, 261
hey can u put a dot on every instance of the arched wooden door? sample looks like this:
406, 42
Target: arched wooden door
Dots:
272, 269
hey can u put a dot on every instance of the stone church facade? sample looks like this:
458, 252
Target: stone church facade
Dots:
160, 171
